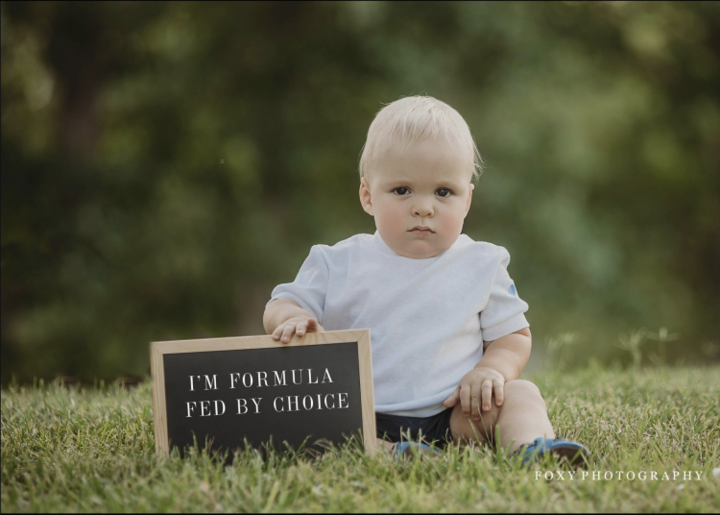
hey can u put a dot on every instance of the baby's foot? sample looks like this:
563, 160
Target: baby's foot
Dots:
573, 453
412, 449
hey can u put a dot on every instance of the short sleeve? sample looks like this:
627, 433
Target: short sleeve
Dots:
309, 287
504, 312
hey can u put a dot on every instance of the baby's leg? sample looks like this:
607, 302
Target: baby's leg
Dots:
521, 419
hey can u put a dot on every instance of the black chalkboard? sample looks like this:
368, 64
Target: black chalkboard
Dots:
228, 391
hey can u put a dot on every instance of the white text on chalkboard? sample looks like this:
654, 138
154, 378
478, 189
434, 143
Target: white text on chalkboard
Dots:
263, 379
286, 404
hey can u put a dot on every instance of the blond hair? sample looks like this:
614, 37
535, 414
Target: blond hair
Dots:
413, 119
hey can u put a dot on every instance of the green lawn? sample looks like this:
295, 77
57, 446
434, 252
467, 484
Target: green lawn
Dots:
94, 450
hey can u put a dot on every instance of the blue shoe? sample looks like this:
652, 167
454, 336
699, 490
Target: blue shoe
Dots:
412, 448
573, 453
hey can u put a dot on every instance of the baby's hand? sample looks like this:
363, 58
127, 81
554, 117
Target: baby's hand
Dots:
476, 389
296, 325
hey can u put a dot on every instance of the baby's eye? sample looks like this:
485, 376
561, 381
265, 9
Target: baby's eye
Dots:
443, 192
401, 191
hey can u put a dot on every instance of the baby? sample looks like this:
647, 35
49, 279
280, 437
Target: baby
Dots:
449, 335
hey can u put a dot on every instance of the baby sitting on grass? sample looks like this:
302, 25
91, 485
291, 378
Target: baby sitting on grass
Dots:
449, 335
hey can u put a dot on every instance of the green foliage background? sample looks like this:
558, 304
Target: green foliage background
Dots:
164, 165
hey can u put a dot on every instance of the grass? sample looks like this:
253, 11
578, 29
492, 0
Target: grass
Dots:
93, 450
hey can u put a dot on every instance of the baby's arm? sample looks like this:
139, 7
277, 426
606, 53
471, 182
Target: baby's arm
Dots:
284, 317
502, 361
508, 355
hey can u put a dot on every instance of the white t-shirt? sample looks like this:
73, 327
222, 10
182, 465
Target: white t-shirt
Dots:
427, 317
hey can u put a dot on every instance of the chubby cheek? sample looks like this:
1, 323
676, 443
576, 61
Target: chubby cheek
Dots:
451, 225
390, 220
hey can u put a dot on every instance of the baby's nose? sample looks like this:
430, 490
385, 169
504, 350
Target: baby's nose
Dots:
423, 210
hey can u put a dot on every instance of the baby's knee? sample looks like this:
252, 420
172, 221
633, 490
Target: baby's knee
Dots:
523, 390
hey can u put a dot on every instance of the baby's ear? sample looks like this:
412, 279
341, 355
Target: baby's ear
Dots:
365, 197
469, 199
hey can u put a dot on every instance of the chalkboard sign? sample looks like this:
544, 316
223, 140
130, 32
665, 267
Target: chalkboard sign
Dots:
230, 390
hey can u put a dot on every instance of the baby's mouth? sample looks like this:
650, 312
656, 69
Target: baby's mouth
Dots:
422, 229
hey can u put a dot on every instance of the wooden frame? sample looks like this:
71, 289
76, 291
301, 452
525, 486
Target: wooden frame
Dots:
361, 336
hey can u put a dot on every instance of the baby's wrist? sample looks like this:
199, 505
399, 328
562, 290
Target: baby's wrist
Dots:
490, 366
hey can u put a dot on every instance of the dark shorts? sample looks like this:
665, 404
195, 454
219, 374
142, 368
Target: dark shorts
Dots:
434, 429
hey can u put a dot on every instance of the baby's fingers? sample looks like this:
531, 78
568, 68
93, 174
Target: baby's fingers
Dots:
487, 388
499, 393
466, 400
475, 402
277, 333
453, 399
302, 327
287, 332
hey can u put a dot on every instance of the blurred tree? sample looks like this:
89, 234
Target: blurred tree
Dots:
166, 164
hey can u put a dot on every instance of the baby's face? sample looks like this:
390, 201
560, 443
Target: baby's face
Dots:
419, 197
